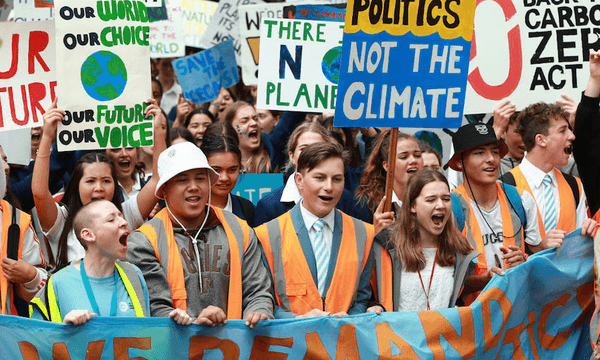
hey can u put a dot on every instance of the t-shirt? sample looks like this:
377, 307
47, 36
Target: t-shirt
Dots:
71, 295
412, 294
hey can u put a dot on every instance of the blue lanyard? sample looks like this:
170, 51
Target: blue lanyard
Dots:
90, 293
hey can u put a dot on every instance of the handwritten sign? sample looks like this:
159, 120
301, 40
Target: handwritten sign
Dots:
203, 74
26, 10
250, 19
27, 73
254, 187
103, 67
320, 12
197, 14
404, 67
307, 58
166, 36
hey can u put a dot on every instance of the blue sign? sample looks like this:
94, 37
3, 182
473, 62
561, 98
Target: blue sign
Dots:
255, 186
320, 12
203, 74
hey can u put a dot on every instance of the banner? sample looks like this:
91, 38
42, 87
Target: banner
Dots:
320, 12
405, 65
250, 19
225, 25
306, 55
530, 51
104, 71
538, 310
166, 36
27, 73
256, 186
203, 74
197, 14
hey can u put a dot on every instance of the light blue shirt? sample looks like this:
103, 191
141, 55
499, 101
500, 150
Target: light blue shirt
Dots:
327, 231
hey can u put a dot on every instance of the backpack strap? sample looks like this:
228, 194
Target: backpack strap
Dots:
457, 210
508, 178
574, 187
515, 200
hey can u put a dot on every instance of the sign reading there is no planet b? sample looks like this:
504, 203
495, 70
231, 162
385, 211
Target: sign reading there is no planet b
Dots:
103, 63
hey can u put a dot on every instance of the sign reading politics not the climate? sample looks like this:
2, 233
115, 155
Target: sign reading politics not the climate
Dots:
530, 51
103, 66
405, 64
203, 74
27, 73
301, 69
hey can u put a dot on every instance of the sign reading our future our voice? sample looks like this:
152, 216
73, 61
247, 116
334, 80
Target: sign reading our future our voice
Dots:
102, 57
404, 63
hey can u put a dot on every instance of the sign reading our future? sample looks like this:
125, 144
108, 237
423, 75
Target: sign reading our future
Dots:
405, 64
103, 61
302, 72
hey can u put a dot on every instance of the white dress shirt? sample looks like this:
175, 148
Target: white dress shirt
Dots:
309, 219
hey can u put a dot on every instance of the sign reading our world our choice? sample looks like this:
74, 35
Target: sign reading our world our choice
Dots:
100, 47
405, 64
302, 70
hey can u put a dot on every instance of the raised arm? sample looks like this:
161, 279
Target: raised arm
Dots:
42, 198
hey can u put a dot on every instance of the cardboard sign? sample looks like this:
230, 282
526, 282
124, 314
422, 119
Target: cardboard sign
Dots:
203, 74
403, 67
27, 73
103, 66
26, 10
254, 187
250, 19
225, 25
197, 14
530, 51
166, 36
302, 70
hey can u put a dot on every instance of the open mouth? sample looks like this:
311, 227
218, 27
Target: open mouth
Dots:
411, 170
569, 149
437, 219
193, 199
326, 198
253, 134
123, 239
124, 164
490, 170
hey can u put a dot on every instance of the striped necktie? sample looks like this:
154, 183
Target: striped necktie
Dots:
550, 218
321, 254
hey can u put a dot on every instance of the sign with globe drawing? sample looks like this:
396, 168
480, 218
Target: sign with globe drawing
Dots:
307, 55
103, 74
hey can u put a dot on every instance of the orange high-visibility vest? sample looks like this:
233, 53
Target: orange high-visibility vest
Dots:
7, 306
295, 289
567, 219
238, 243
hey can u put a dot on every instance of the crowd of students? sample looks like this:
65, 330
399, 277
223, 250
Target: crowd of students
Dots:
321, 245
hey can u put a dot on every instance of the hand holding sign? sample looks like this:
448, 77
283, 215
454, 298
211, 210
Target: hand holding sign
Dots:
184, 107
51, 118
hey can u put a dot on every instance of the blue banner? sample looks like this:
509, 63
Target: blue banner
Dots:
203, 74
255, 186
320, 12
538, 310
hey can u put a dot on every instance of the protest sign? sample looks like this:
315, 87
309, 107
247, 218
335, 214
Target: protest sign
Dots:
538, 310
203, 74
300, 70
404, 67
26, 10
158, 13
321, 12
225, 25
166, 36
27, 73
254, 187
104, 71
250, 19
5, 9
153, 3
44, 3
530, 51
16, 145
197, 14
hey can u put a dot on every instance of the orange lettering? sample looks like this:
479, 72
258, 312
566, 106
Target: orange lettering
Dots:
198, 344
497, 295
531, 320
347, 348
94, 351
315, 348
385, 335
585, 299
121, 346
512, 337
260, 348
547, 341
435, 324
28, 351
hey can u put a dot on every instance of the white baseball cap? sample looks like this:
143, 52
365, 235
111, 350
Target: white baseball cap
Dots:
180, 158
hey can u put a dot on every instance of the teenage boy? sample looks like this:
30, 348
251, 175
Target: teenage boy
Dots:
560, 198
317, 255
100, 284
194, 256
491, 212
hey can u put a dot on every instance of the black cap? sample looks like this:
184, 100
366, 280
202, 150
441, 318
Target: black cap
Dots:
470, 136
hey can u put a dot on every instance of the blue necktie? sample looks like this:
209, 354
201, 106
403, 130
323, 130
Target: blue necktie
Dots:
321, 255
550, 218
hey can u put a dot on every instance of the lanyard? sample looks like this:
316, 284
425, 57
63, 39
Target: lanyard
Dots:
430, 279
90, 293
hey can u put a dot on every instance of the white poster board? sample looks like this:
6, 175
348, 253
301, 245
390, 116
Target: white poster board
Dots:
166, 36
25, 10
197, 15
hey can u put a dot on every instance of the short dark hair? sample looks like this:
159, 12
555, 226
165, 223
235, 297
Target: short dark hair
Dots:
312, 155
426, 148
537, 119
197, 111
84, 218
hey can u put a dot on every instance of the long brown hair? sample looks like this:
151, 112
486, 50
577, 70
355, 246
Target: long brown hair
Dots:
371, 187
405, 231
